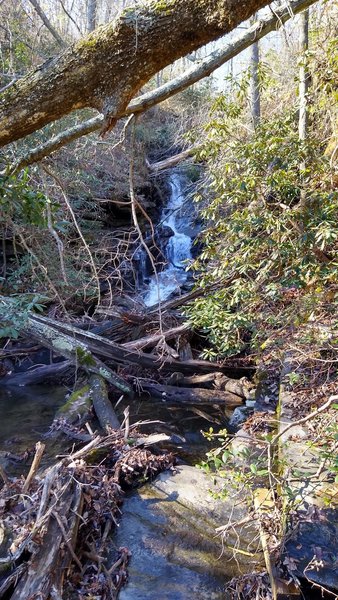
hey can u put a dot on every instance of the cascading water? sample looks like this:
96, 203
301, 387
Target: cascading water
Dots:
178, 249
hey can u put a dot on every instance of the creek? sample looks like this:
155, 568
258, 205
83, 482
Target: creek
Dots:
172, 557
177, 251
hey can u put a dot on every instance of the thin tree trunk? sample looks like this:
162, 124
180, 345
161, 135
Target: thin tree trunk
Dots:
303, 89
303, 74
47, 23
91, 15
255, 100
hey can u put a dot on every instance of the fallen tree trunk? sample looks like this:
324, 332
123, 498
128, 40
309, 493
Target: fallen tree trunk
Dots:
106, 69
217, 380
153, 339
118, 354
72, 349
203, 69
80, 347
196, 396
47, 373
102, 405
170, 162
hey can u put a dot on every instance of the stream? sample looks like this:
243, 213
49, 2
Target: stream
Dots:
161, 567
178, 249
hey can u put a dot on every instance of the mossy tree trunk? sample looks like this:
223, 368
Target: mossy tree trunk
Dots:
106, 69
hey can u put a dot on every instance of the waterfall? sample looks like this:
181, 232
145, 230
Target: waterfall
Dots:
178, 249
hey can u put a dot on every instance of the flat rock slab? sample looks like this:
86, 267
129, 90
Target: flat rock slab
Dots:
169, 527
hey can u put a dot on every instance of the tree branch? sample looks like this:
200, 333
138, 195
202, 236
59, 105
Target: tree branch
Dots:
105, 69
203, 69
47, 23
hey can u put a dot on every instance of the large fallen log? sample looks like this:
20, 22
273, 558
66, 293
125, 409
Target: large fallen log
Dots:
83, 347
196, 396
118, 354
73, 349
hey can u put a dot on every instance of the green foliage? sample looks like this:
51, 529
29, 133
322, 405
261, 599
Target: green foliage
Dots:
14, 313
261, 244
21, 202
240, 468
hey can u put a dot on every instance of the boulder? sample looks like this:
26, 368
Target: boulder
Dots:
169, 527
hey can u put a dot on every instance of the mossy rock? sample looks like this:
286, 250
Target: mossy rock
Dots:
77, 406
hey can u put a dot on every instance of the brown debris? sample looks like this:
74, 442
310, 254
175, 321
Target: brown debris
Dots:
59, 533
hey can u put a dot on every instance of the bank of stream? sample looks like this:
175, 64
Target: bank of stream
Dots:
180, 540
177, 569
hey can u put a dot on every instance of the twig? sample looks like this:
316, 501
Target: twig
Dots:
39, 450
312, 415
4, 475
77, 227
67, 541
127, 423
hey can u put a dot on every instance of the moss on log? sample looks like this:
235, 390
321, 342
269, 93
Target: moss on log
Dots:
107, 68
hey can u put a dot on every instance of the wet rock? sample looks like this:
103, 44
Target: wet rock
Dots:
311, 553
169, 526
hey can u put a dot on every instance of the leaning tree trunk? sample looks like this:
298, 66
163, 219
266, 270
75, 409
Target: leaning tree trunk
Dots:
107, 68
203, 69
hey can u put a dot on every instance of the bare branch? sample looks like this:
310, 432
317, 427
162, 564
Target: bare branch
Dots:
47, 23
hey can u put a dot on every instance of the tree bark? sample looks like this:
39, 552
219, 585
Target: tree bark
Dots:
303, 74
102, 405
255, 99
204, 68
107, 68
195, 396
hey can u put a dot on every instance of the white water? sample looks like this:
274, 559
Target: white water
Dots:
178, 249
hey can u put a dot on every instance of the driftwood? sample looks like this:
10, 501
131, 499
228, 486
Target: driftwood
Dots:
72, 349
153, 339
102, 405
180, 300
47, 373
55, 556
118, 354
81, 348
240, 387
170, 162
178, 395
56, 552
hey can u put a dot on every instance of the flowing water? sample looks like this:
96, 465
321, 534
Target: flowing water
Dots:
178, 248
26, 413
